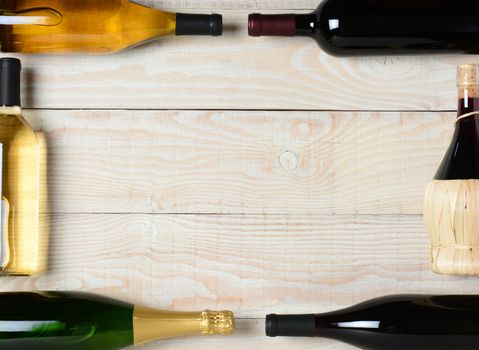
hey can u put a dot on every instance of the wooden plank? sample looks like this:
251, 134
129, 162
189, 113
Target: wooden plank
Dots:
238, 72
253, 264
241, 162
208, 5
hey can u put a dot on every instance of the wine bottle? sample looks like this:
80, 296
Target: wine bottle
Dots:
95, 26
381, 27
451, 212
412, 322
80, 321
21, 243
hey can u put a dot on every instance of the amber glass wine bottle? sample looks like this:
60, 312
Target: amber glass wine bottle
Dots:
381, 27
79, 321
21, 243
401, 322
92, 26
451, 209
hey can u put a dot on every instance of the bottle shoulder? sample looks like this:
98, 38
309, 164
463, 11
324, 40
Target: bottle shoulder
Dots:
13, 127
460, 161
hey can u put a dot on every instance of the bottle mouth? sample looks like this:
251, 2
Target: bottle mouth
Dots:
271, 25
468, 75
290, 325
271, 326
253, 24
198, 24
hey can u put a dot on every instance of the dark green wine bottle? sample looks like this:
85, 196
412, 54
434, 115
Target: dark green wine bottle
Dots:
79, 321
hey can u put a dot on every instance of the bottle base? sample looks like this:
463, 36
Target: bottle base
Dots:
459, 260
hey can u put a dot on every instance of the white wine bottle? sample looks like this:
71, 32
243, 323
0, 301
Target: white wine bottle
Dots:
93, 26
80, 321
20, 243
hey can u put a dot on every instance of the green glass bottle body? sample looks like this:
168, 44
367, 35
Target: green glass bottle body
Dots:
80, 321
60, 321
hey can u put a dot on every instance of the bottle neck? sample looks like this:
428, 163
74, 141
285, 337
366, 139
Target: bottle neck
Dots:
291, 325
150, 324
468, 100
326, 325
282, 25
7, 110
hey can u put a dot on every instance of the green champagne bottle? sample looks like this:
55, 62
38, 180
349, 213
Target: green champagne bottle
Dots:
81, 321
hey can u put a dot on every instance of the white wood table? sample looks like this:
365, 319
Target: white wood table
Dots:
252, 174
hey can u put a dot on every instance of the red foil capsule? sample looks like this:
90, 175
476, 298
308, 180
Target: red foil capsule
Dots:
271, 25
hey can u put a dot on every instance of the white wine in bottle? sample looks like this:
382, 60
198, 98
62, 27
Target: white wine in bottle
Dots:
92, 26
20, 243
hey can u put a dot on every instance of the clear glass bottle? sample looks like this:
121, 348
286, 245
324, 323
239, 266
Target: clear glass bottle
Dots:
20, 243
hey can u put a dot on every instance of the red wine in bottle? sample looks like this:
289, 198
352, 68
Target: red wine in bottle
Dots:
381, 27
404, 322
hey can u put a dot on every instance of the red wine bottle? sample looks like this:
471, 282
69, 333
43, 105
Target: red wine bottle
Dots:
381, 27
412, 322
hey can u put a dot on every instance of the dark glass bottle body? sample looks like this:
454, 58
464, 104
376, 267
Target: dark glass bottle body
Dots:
412, 322
461, 161
383, 27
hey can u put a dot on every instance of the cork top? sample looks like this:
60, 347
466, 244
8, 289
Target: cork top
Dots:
468, 80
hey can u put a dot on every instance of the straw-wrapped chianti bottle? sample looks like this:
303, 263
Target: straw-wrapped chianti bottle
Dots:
451, 208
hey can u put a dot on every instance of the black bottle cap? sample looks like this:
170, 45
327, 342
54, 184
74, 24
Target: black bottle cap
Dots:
290, 325
10, 81
194, 24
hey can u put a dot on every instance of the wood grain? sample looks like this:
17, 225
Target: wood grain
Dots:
252, 264
241, 162
238, 72
211, 5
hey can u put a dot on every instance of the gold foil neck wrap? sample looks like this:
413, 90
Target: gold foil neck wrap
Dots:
150, 324
468, 80
218, 322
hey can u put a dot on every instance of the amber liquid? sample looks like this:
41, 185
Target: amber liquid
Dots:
79, 26
22, 247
